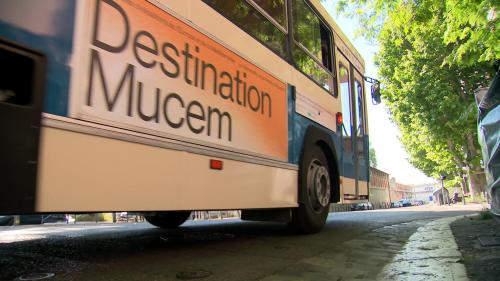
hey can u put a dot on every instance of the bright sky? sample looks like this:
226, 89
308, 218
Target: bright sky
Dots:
391, 156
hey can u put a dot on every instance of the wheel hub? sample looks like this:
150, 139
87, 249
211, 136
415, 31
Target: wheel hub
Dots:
318, 184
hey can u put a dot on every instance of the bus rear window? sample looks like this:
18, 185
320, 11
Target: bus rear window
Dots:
248, 18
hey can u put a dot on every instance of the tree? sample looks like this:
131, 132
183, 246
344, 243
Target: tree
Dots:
373, 156
471, 26
429, 76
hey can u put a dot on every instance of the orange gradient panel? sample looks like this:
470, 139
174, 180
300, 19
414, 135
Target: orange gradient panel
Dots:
148, 70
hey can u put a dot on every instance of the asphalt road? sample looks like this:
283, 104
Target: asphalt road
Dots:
353, 246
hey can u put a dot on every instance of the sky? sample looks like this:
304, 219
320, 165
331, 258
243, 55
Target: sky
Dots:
383, 134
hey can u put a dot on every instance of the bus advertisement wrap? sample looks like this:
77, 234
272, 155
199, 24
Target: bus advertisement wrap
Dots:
138, 67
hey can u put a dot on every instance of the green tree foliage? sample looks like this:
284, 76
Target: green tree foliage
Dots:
370, 13
430, 71
373, 156
471, 26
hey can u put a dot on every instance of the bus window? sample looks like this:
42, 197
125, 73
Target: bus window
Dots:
359, 108
346, 106
312, 51
270, 31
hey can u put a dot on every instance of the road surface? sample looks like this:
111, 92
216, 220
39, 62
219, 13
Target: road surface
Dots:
353, 246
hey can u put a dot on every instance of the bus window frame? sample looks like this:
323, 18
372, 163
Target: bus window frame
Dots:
287, 55
332, 72
350, 93
285, 28
363, 102
361, 154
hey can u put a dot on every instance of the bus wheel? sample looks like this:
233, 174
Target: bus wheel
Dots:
171, 219
314, 192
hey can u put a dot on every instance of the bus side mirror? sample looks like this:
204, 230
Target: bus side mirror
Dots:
376, 93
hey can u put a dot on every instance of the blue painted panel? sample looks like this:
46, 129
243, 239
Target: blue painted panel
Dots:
364, 162
46, 26
297, 127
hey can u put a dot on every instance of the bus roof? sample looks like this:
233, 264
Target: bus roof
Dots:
341, 40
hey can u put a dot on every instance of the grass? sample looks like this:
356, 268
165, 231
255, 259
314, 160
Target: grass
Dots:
485, 215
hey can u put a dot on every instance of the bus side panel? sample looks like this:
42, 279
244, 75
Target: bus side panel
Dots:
46, 26
188, 87
84, 173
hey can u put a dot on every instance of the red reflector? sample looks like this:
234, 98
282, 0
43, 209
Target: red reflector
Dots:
340, 119
216, 164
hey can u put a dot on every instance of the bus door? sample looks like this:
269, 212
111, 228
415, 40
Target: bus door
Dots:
349, 183
360, 135
21, 96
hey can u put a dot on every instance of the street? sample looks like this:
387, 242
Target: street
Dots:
353, 246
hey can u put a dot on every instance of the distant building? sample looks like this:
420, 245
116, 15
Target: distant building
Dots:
425, 192
400, 191
379, 188
384, 189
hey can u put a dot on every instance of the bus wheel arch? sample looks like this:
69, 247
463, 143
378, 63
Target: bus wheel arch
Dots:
318, 177
321, 138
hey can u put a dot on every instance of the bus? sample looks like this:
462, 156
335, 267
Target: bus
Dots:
164, 107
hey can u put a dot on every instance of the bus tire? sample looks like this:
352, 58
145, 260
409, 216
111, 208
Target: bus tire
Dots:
314, 192
171, 219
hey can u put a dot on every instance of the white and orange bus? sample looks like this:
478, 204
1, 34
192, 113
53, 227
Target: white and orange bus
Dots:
164, 107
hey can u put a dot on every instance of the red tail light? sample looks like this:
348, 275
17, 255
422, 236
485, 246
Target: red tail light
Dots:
340, 119
216, 164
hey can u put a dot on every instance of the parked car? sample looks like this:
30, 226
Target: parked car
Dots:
51, 218
418, 202
396, 204
6, 220
30, 219
405, 202
362, 206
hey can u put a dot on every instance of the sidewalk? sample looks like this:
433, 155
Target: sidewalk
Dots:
454, 248
476, 238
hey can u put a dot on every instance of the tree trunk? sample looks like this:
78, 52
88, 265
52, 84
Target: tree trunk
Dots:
477, 183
